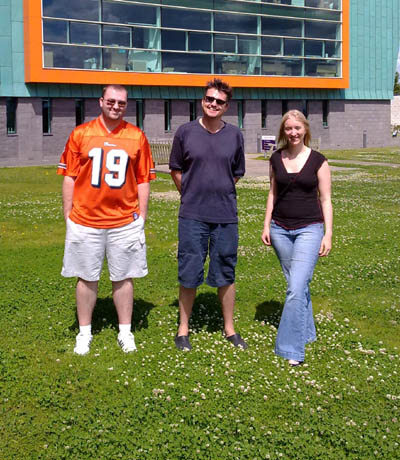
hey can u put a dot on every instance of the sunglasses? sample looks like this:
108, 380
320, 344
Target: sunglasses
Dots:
211, 99
111, 103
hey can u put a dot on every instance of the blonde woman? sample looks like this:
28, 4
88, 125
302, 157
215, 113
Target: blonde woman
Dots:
298, 225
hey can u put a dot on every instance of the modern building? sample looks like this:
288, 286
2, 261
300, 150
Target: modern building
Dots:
333, 59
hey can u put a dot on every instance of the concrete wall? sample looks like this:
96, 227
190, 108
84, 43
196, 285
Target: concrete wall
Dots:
351, 124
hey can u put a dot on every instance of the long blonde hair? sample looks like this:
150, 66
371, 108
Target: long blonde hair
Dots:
296, 114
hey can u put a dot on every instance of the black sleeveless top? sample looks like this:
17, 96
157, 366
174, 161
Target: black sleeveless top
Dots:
297, 204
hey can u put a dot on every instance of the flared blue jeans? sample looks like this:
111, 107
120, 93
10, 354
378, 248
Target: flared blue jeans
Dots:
297, 251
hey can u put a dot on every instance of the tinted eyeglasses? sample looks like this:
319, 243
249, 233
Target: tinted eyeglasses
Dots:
211, 99
111, 103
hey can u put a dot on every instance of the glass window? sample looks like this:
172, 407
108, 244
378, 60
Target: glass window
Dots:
72, 57
270, 45
226, 22
139, 113
173, 40
247, 45
87, 10
188, 63
264, 107
146, 38
46, 116
293, 47
285, 106
144, 61
321, 68
243, 65
240, 108
180, 19
11, 115
79, 111
272, 66
116, 36
332, 49
115, 59
55, 31
317, 29
225, 43
325, 113
331, 4
167, 115
126, 13
198, 41
192, 110
88, 34
278, 26
313, 48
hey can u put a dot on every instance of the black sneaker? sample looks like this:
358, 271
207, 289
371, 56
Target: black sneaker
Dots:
237, 340
182, 342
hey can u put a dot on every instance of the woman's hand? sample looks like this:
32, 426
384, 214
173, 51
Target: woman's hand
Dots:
265, 236
326, 246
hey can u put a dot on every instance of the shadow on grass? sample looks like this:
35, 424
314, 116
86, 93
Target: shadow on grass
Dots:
105, 315
269, 312
206, 313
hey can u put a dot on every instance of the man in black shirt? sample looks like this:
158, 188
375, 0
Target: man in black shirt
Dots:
207, 159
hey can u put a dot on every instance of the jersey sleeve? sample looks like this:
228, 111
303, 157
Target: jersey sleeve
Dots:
69, 164
145, 169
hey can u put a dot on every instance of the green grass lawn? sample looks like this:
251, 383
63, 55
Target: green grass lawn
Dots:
215, 402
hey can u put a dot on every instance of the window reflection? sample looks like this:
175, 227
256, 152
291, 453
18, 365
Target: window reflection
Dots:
55, 31
187, 63
272, 66
83, 33
270, 45
247, 45
225, 22
316, 29
313, 48
115, 59
240, 65
198, 41
321, 68
87, 10
180, 19
116, 36
225, 43
146, 38
126, 13
277, 26
144, 61
293, 47
332, 49
72, 57
173, 40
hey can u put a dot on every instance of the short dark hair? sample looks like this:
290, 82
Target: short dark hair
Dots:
221, 86
117, 87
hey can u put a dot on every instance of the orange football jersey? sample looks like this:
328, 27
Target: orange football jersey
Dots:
108, 168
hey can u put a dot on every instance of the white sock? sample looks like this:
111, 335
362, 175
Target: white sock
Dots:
124, 329
85, 330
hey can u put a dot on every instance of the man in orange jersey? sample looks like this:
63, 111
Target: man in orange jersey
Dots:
107, 168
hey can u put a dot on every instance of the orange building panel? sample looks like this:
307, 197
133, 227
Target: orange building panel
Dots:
35, 73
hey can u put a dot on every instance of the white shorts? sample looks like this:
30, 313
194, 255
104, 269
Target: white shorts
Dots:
124, 247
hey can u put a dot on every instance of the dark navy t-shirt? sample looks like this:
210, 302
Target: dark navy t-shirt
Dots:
209, 163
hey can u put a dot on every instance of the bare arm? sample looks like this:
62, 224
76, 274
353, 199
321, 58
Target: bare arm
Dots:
143, 195
67, 195
177, 178
324, 188
265, 236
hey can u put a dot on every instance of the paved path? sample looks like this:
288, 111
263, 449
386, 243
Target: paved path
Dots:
259, 168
